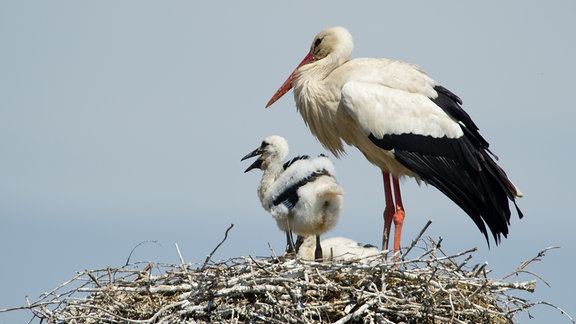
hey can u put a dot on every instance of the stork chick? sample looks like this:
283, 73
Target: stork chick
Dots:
338, 249
302, 194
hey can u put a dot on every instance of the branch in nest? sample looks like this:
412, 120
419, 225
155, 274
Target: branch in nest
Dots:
217, 246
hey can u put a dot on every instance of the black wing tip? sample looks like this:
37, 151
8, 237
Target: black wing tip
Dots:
294, 159
443, 90
520, 213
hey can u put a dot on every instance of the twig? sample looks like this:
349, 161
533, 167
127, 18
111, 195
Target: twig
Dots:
134, 248
93, 279
414, 241
358, 313
182, 263
523, 265
563, 312
216, 248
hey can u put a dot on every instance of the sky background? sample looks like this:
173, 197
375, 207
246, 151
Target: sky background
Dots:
123, 122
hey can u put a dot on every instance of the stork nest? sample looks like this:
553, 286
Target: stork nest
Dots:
434, 287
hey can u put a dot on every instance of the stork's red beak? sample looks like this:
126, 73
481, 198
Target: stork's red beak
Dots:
288, 83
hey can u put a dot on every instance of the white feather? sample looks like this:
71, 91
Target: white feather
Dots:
318, 207
381, 110
337, 249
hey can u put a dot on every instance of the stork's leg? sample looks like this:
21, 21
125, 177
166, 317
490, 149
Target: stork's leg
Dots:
388, 210
298, 244
318, 251
398, 215
289, 243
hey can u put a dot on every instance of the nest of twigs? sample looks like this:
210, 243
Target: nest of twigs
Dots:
433, 287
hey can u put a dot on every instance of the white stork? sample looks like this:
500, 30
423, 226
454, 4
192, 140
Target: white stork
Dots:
302, 194
405, 123
335, 249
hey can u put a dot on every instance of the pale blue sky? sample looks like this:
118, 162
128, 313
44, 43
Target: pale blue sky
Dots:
122, 122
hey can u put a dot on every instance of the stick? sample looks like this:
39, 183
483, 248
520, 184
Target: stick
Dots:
523, 265
216, 248
137, 245
180, 255
417, 238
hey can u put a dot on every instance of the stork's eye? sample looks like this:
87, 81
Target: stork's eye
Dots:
317, 42
263, 145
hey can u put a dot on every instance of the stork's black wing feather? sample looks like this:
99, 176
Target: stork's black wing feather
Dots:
289, 197
461, 168
294, 159
451, 104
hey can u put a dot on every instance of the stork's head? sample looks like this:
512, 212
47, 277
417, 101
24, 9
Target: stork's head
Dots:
273, 150
331, 48
334, 41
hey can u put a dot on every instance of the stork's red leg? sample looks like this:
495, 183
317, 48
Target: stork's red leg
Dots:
398, 215
388, 209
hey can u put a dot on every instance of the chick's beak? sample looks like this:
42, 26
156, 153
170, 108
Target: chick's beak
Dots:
257, 164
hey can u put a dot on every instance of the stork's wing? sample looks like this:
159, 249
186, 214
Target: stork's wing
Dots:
283, 193
288, 196
382, 110
436, 139
294, 159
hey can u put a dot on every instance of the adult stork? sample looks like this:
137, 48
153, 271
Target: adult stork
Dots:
302, 194
405, 123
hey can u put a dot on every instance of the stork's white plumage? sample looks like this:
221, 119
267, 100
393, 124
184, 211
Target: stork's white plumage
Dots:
404, 123
336, 249
302, 194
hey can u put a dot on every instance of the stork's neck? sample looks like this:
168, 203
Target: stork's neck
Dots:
317, 97
317, 71
315, 90
271, 173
